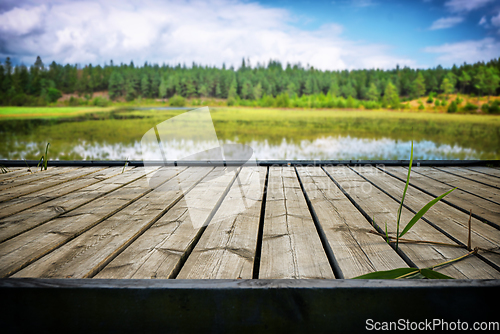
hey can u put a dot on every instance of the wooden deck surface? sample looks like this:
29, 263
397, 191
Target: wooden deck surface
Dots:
248, 222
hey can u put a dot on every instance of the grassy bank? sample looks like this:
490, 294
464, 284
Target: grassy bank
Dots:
49, 112
72, 105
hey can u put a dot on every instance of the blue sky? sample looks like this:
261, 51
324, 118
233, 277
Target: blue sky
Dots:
339, 34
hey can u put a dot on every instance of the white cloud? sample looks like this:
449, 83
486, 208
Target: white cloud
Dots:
206, 32
495, 20
20, 21
482, 22
446, 22
458, 6
467, 51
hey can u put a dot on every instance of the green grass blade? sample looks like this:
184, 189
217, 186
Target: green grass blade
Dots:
40, 162
422, 212
434, 274
404, 195
46, 156
388, 274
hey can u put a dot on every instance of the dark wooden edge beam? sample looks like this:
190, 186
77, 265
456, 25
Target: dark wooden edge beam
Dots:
242, 306
294, 163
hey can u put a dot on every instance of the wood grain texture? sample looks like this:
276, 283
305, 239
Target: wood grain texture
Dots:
28, 219
160, 251
478, 189
462, 199
46, 182
356, 251
485, 170
16, 172
227, 248
85, 255
20, 251
472, 175
291, 247
36, 176
21, 203
450, 220
384, 210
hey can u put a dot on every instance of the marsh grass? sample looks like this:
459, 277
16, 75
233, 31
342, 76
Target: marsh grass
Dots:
44, 159
411, 272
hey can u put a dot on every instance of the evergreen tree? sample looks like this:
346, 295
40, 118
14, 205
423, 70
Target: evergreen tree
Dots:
418, 86
491, 80
373, 93
162, 89
334, 88
115, 87
446, 87
145, 86
464, 79
247, 90
391, 97
232, 93
257, 91
38, 63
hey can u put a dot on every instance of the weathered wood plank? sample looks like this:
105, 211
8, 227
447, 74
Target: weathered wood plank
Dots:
453, 221
227, 248
471, 175
481, 190
485, 170
34, 177
16, 172
87, 254
20, 251
481, 207
161, 250
291, 247
21, 203
384, 210
45, 183
28, 219
356, 251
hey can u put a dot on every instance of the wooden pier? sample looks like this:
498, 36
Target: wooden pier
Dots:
243, 223
245, 227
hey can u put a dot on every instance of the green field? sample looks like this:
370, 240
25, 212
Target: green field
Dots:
47, 112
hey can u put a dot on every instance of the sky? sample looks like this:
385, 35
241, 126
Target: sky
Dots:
328, 35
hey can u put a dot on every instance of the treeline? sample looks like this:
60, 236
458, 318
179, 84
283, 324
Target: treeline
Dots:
39, 84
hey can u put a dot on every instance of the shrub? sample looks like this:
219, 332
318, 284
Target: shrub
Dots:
19, 100
429, 100
437, 103
444, 103
494, 107
452, 108
470, 107
100, 102
421, 106
53, 94
73, 101
178, 101
341, 103
282, 100
371, 105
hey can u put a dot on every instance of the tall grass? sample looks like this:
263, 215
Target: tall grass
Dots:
410, 272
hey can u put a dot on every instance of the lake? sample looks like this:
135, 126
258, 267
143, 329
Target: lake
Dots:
271, 133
